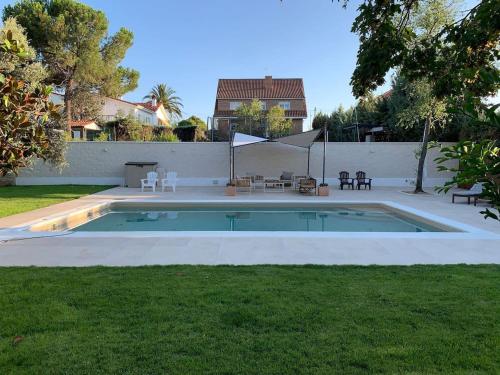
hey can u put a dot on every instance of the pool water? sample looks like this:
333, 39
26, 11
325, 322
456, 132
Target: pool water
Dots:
241, 219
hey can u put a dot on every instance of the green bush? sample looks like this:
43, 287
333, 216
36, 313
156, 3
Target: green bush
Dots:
166, 137
102, 137
478, 162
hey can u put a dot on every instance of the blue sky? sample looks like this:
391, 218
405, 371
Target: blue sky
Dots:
190, 44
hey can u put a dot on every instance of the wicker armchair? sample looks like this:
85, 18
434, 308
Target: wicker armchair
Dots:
307, 186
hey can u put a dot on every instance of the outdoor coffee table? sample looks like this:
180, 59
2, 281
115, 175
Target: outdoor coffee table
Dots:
275, 186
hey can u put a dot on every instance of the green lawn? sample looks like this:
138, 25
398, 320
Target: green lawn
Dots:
17, 199
250, 320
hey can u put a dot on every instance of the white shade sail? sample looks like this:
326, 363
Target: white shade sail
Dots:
304, 140
241, 139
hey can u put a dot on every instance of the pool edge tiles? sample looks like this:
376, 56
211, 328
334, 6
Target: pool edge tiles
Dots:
83, 216
70, 219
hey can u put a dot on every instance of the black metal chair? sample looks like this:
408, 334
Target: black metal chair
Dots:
345, 180
363, 180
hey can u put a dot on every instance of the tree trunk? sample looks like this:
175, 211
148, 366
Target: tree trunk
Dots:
67, 104
423, 154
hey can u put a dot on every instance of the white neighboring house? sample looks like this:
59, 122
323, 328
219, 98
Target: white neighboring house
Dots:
148, 113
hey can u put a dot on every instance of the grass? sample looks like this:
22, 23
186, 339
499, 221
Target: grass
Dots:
250, 320
17, 199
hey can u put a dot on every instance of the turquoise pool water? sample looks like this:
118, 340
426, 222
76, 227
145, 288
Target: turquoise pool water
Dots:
241, 219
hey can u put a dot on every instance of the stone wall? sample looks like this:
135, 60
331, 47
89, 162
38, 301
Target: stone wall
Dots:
390, 164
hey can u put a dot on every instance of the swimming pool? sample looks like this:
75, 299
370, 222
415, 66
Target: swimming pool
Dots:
122, 217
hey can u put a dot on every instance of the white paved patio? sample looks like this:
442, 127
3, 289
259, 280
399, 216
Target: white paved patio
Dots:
355, 248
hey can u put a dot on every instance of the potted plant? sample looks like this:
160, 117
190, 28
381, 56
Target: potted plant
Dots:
323, 190
230, 189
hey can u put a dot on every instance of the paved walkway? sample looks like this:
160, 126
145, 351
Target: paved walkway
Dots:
113, 250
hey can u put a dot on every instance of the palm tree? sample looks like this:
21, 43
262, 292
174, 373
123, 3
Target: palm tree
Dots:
166, 95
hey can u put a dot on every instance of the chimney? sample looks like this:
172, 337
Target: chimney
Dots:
268, 82
153, 101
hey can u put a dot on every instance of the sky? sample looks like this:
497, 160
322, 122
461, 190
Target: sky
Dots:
190, 44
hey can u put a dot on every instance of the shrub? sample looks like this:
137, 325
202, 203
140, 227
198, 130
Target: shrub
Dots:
102, 137
478, 162
166, 137
147, 133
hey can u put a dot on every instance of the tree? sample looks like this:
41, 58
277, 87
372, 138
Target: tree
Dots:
452, 57
391, 32
199, 129
320, 120
459, 57
87, 103
250, 117
277, 124
70, 38
424, 107
28, 120
166, 95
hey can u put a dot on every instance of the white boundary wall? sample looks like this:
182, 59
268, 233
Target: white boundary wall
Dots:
207, 164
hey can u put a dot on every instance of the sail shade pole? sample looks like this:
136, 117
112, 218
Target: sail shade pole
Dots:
325, 139
308, 159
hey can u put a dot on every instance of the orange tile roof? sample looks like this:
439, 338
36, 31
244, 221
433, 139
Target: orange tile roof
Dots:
281, 88
149, 105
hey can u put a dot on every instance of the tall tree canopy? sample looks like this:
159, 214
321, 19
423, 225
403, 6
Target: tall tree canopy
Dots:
457, 56
28, 121
199, 128
276, 123
439, 57
166, 95
72, 40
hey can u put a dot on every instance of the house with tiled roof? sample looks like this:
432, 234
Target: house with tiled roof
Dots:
288, 93
149, 113
84, 129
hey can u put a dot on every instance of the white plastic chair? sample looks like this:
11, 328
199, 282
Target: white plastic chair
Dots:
171, 181
150, 181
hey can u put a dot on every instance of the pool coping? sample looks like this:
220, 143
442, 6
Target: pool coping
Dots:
96, 209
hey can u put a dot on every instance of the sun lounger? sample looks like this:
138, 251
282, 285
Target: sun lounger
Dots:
474, 192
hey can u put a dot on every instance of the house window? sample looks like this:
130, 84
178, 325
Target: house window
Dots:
263, 106
285, 105
233, 106
76, 134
